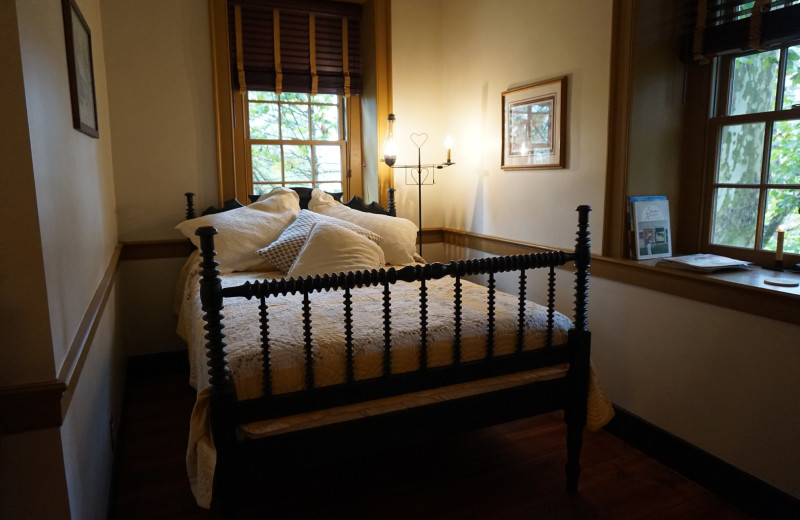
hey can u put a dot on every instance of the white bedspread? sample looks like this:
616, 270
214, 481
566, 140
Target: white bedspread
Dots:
286, 333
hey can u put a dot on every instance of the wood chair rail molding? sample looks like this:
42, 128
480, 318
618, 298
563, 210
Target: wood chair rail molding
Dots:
743, 291
44, 404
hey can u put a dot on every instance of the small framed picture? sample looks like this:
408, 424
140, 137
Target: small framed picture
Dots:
80, 68
534, 126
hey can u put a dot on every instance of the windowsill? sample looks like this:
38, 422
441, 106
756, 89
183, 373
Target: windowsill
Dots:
741, 290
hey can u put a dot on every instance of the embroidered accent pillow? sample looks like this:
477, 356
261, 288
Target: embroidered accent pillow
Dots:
334, 249
283, 252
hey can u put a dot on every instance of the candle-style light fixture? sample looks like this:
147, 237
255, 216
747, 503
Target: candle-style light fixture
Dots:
416, 174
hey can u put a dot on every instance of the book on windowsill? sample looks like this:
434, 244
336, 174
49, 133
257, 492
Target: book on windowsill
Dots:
704, 263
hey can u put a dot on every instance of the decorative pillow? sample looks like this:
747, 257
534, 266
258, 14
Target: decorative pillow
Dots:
283, 251
243, 230
398, 235
333, 249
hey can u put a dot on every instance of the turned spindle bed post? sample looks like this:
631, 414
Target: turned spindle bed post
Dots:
223, 425
579, 343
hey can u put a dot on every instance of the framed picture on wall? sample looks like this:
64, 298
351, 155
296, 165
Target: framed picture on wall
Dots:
80, 68
535, 126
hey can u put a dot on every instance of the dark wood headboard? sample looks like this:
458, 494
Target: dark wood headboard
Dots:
355, 202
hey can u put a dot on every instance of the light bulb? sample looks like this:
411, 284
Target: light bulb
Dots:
389, 147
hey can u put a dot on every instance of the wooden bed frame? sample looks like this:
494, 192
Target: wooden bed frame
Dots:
568, 393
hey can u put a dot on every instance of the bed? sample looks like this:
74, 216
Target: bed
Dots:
346, 337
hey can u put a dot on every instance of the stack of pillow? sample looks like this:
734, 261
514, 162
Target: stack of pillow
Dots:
274, 234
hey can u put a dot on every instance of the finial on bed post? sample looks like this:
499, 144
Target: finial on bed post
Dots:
190, 206
391, 208
579, 352
221, 392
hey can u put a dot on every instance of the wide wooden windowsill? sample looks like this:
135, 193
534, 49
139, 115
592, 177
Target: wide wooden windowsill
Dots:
741, 290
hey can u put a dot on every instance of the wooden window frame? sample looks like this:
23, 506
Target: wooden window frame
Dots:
717, 120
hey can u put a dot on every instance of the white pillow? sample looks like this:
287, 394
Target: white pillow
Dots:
243, 230
333, 249
283, 251
398, 235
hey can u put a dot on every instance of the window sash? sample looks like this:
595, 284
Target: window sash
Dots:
720, 100
341, 143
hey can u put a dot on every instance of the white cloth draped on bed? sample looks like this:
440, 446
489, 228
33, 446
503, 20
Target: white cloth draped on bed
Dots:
242, 331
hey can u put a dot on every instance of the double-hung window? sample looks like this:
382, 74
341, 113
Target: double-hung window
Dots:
754, 156
295, 139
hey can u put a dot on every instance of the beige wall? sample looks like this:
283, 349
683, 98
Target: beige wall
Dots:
162, 112
24, 320
63, 198
72, 171
724, 381
451, 62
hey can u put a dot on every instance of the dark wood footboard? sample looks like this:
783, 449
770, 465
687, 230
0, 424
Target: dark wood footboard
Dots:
568, 393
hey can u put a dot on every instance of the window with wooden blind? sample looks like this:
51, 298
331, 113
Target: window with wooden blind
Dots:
292, 72
751, 198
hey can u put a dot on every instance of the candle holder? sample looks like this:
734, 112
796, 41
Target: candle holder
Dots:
415, 174
777, 266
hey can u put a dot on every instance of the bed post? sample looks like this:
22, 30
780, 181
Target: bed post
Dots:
190, 206
221, 391
390, 207
579, 352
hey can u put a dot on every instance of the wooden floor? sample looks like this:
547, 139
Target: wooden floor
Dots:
509, 471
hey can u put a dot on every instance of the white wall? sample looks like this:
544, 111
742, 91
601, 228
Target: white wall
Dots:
451, 62
72, 171
162, 112
24, 319
68, 180
726, 381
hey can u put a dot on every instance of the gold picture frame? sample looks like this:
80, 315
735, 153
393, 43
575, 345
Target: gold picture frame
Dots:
535, 126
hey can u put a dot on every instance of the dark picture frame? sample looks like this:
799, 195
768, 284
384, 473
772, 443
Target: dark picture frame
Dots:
81, 69
535, 126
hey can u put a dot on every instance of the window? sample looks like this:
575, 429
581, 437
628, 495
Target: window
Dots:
295, 139
755, 132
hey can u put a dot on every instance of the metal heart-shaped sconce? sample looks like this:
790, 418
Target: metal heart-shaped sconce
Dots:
419, 139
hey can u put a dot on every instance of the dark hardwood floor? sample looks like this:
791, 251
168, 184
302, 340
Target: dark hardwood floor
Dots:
511, 471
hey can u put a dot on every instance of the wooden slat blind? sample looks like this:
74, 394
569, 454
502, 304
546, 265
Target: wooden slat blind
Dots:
337, 55
727, 26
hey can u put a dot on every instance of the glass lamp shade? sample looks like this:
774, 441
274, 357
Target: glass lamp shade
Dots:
389, 147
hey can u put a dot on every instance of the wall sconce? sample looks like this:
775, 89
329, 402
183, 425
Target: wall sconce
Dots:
416, 174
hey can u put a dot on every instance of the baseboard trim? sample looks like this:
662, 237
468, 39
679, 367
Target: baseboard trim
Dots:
746, 492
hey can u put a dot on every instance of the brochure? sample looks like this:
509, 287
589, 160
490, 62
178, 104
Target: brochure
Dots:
651, 237
703, 262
